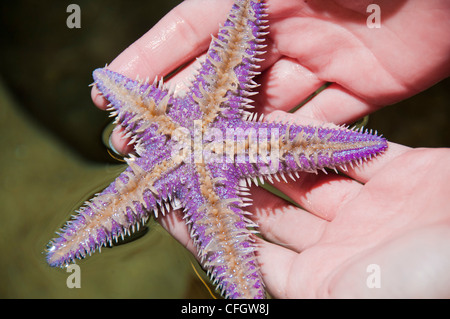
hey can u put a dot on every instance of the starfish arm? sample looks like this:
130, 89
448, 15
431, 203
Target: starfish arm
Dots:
219, 229
224, 79
106, 217
262, 149
140, 107
313, 148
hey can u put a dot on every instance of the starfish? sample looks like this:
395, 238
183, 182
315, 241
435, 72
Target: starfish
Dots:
197, 151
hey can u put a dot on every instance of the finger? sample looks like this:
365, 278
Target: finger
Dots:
284, 85
337, 105
283, 223
184, 33
363, 173
275, 262
320, 194
174, 223
119, 143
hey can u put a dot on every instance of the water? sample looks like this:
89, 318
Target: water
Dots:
42, 182
52, 155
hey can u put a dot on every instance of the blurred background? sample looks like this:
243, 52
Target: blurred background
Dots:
52, 155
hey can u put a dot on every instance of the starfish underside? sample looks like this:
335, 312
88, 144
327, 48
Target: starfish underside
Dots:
194, 151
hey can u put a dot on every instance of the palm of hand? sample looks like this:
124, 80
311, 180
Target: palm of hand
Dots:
397, 221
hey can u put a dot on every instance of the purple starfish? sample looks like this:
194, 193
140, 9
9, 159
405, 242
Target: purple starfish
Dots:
194, 151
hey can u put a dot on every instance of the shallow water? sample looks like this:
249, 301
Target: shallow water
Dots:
52, 156
42, 182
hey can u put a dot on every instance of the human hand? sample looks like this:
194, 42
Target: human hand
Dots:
291, 72
394, 214
310, 43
